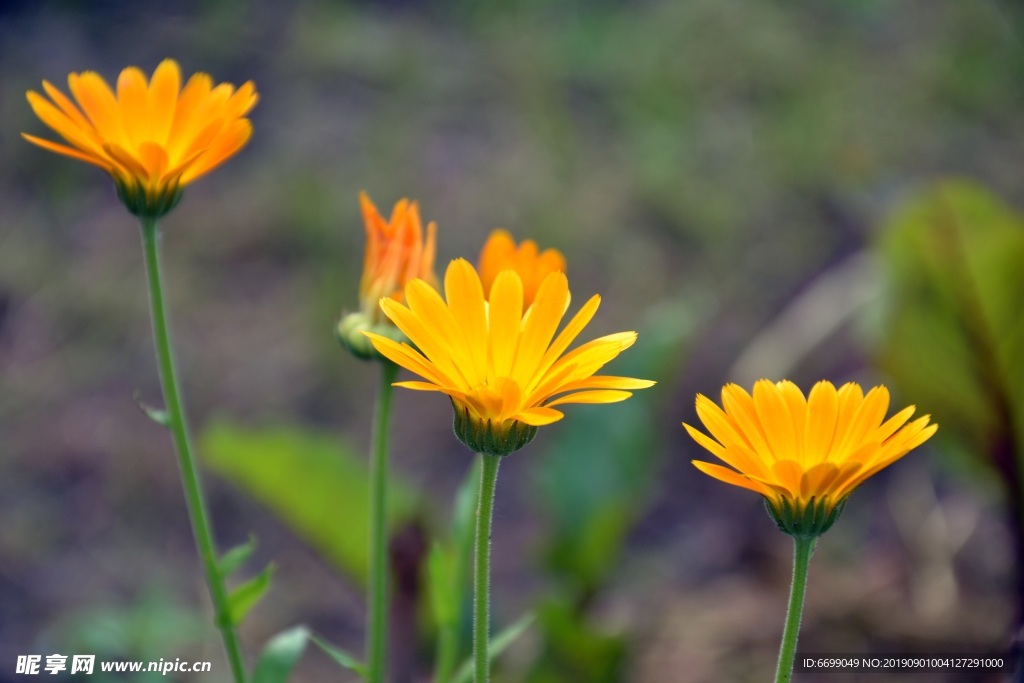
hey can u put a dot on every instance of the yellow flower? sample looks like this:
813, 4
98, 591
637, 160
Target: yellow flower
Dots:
501, 253
505, 370
153, 137
805, 456
396, 253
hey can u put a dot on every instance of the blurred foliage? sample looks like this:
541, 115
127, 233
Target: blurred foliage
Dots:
575, 650
714, 152
448, 578
280, 655
340, 657
596, 478
498, 643
154, 627
954, 326
954, 331
313, 483
242, 598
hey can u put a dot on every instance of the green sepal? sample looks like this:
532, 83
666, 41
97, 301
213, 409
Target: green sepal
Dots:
233, 559
499, 644
280, 655
158, 415
344, 659
145, 205
488, 438
804, 521
246, 596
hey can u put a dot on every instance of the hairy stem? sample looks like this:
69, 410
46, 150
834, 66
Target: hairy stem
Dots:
787, 652
379, 575
176, 422
482, 569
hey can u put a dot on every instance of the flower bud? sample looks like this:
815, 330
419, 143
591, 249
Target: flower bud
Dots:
349, 332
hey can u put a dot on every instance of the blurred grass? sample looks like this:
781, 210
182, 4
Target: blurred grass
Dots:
710, 157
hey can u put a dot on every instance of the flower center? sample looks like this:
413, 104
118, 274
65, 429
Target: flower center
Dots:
497, 399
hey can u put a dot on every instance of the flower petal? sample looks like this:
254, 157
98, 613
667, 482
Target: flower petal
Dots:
539, 416
731, 477
593, 396
504, 316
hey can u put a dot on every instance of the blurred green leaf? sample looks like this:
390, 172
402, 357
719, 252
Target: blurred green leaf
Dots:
953, 331
314, 482
596, 477
280, 655
464, 522
596, 473
498, 645
233, 559
574, 650
244, 597
443, 600
448, 575
155, 624
343, 658
157, 415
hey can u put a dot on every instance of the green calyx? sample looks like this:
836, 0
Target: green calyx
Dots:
807, 520
490, 438
349, 332
145, 204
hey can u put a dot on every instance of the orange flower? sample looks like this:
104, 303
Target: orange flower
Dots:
505, 370
501, 253
396, 253
153, 137
804, 455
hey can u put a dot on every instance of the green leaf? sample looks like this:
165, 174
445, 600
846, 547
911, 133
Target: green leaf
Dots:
233, 559
499, 644
157, 415
464, 524
574, 649
448, 571
443, 599
457, 557
280, 655
597, 473
314, 482
244, 597
340, 656
952, 333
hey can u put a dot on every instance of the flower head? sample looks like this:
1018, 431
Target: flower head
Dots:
804, 455
505, 370
153, 136
396, 252
501, 253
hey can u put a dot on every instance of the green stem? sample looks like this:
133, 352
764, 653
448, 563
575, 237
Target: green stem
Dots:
787, 652
186, 464
377, 584
482, 569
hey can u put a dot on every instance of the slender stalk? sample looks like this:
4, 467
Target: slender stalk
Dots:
377, 584
176, 422
787, 652
482, 569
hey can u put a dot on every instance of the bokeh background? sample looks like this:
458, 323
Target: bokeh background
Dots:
758, 188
